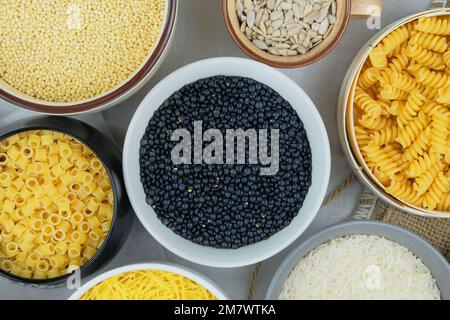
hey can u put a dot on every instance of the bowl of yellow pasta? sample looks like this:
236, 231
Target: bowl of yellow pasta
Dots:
63, 207
150, 281
394, 115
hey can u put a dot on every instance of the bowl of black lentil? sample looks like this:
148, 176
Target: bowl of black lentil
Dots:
226, 162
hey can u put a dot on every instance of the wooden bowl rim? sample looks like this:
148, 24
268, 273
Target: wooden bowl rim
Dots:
287, 65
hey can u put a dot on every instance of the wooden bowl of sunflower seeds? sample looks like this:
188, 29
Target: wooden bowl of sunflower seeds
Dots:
292, 33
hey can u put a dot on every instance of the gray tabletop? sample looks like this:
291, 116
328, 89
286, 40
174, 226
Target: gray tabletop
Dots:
201, 33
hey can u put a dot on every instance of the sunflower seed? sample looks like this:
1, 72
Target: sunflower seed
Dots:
251, 17
241, 17
274, 51
282, 46
286, 6
284, 52
328, 32
307, 42
260, 44
323, 13
248, 33
263, 29
277, 24
297, 10
243, 25
315, 26
248, 4
302, 50
324, 27
239, 6
312, 16
276, 15
316, 39
258, 18
331, 19
307, 10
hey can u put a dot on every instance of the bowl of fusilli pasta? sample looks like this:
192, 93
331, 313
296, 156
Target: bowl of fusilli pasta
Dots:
394, 114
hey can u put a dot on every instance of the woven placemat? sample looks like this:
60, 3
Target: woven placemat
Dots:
434, 230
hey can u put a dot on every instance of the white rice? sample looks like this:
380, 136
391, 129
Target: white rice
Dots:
360, 267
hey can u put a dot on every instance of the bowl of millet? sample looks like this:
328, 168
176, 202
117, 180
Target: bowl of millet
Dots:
64, 57
226, 162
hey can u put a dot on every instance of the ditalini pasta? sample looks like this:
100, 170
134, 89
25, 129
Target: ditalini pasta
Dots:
148, 285
402, 105
56, 204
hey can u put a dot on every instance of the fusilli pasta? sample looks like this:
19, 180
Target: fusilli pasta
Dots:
404, 120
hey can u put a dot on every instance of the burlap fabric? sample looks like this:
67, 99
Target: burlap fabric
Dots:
434, 230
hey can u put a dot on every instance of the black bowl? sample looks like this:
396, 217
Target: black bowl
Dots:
111, 158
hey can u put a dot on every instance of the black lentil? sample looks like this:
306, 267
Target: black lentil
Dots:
229, 205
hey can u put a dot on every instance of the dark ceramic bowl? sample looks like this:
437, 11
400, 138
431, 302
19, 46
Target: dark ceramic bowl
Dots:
110, 156
430, 256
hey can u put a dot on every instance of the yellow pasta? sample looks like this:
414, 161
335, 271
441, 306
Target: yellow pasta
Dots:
148, 285
389, 92
403, 81
394, 40
444, 204
369, 105
438, 189
411, 108
378, 58
423, 182
432, 78
440, 131
409, 133
46, 219
384, 136
399, 62
374, 123
419, 166
369, 77
443, 96
405, 191
434, 25
429, 41
406, 145
425, 57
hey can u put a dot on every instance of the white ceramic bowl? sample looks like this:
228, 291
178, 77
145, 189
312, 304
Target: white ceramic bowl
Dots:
317, 135
197, 277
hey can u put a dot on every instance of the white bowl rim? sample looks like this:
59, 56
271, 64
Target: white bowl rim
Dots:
208, 64
163, 266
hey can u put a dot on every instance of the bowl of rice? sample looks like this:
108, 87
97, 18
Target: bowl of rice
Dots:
64, 57
150, 281
362, 260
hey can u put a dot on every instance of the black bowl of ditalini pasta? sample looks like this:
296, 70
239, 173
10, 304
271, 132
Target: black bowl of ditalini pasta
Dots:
64, 211
394, 114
